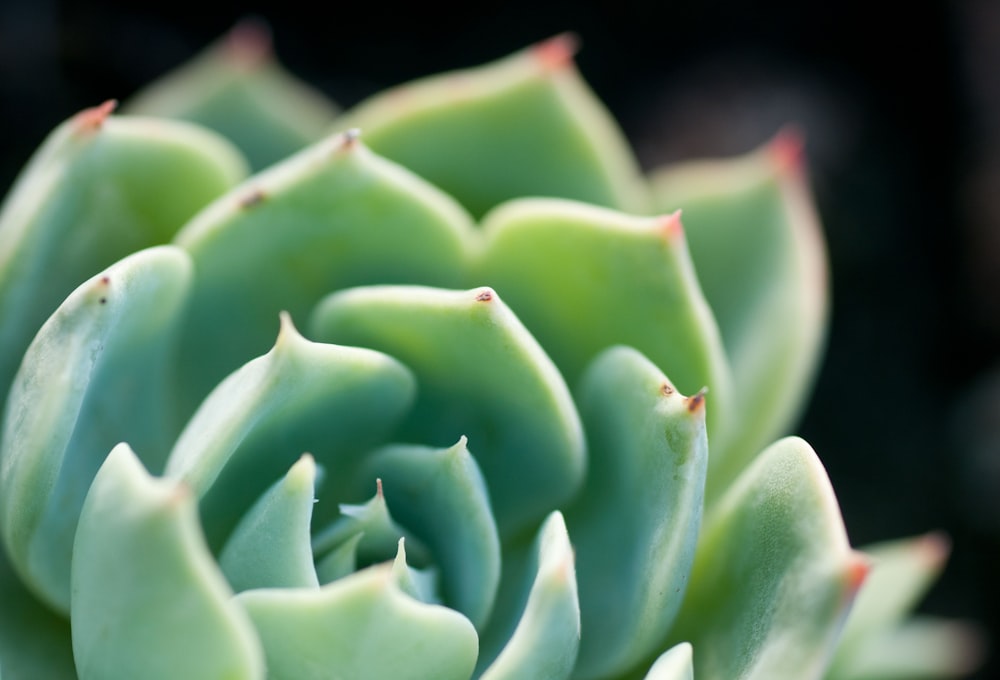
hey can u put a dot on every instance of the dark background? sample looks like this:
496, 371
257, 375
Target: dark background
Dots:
902, 117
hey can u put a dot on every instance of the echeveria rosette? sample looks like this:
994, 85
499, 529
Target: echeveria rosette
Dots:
508, 484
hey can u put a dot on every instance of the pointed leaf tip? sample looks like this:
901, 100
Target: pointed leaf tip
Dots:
858, 568
557, 52
484, 295
787, 150
249, 43
94, 117
673, 228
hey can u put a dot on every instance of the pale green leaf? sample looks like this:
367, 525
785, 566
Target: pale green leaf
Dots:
95, 375
635, 524
148, 599
271, 547
673, 664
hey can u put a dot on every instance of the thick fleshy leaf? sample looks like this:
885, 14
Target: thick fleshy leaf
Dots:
98, 189
756, 242
524, 126
237, 88
482, 375
545, 642
583, 279
148, 599
440, 495
95, 375
673, 664
635, 524
420, 584
773, 576
34, 641
339, 562
879, 642
333, 216
362, 627
334, 402
271, 547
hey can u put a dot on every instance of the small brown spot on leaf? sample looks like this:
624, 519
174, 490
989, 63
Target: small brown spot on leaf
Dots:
696, 401
103, 300
106, 280
666, 389
255, 197
484, 295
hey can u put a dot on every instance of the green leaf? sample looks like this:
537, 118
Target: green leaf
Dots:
148, 599
635, 524
333, 216
482, 375
340, 562
673, 664
334, 402
757, 246
583, 279
878, 641
440, 495
95, 375
362, 627
526, 125
545, 642
271, 546
237, 88
97, 190
773, 575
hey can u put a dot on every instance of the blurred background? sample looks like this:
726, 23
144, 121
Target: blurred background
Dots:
901, 112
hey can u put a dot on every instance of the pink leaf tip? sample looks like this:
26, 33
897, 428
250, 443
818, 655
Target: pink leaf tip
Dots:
787, 150
249, 43
94, 117
557, 52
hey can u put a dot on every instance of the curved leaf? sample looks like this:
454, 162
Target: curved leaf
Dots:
583, 279
526, 125
545, 642
635, 524
97, 190
756, 242
270, 547
673, 664
237, 88
481, 375
95, 375
148, 599
362, 627
773, 575
334, 402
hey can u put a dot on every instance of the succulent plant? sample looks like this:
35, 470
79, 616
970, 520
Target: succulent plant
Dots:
476, 465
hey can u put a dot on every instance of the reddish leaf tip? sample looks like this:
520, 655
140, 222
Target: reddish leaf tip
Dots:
858, 568
696, 402
485, 295
557, 52
378, 488
671, 225
94, 117
787, 150
249, 43
934, 547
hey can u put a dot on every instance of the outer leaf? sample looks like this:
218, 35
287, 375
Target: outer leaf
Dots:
878, 643
756, 243
335, 402
148, 600
440, 495
635, 524
362, 627
542, 130
773, 576
673, 664
270, 546
481, 374
545, 643
237, 88
333, 216
583, 279
97, 190
94, 375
